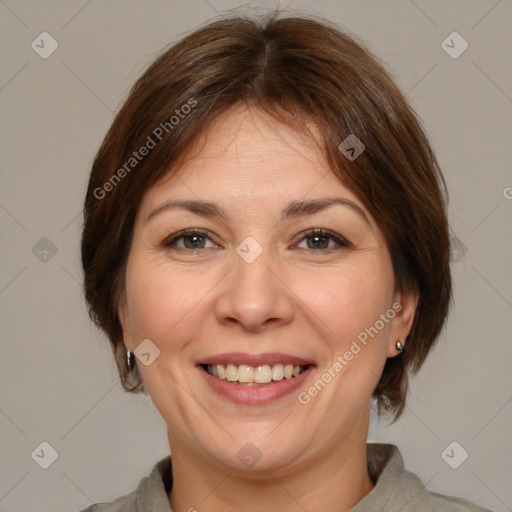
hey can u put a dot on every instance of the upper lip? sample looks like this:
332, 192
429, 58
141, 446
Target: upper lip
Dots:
238, 358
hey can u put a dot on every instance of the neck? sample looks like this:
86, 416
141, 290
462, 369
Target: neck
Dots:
336, 480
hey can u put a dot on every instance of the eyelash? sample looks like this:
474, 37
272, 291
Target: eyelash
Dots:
340, 241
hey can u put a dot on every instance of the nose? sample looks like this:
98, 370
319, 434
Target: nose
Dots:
254, 296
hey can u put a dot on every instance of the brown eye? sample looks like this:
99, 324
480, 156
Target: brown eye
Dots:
192, 239
319, 239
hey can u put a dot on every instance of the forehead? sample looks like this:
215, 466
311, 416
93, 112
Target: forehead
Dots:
246, 156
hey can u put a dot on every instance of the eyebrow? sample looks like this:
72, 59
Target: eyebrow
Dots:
294, 209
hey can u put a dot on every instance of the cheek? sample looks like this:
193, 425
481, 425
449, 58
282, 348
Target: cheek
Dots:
354, 350
347, 300
162, 300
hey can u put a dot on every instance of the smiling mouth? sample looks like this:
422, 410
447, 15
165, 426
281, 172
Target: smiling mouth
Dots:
247, 375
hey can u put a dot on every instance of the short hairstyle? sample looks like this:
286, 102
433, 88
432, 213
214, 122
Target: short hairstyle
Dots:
298, 69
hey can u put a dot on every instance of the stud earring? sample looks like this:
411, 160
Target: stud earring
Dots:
399, 345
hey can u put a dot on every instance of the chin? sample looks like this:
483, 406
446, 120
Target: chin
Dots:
254, 452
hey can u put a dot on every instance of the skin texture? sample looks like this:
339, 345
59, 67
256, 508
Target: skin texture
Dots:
296, 298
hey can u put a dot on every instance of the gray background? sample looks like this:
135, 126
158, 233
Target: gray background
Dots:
58, 381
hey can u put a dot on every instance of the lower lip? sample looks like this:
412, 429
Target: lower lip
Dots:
255, 395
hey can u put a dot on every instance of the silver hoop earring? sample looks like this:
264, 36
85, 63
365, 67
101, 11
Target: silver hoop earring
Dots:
399, 346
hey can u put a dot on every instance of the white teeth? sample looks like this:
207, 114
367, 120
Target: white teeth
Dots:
249, 375
278, 372
231, 373
263, 374
245, 373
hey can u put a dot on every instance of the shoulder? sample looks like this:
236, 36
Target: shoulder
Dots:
127, 503
413, 496
151, 493
397, 489
452, 504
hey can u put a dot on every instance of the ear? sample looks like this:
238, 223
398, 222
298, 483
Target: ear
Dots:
124, 320
404, 305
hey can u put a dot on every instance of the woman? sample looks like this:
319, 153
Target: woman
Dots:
266, 247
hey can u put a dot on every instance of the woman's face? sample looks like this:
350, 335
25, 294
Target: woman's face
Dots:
255, 289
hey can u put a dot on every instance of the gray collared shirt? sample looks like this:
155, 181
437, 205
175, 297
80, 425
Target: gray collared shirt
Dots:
396, 489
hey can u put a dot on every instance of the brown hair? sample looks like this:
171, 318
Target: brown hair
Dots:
298, 69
